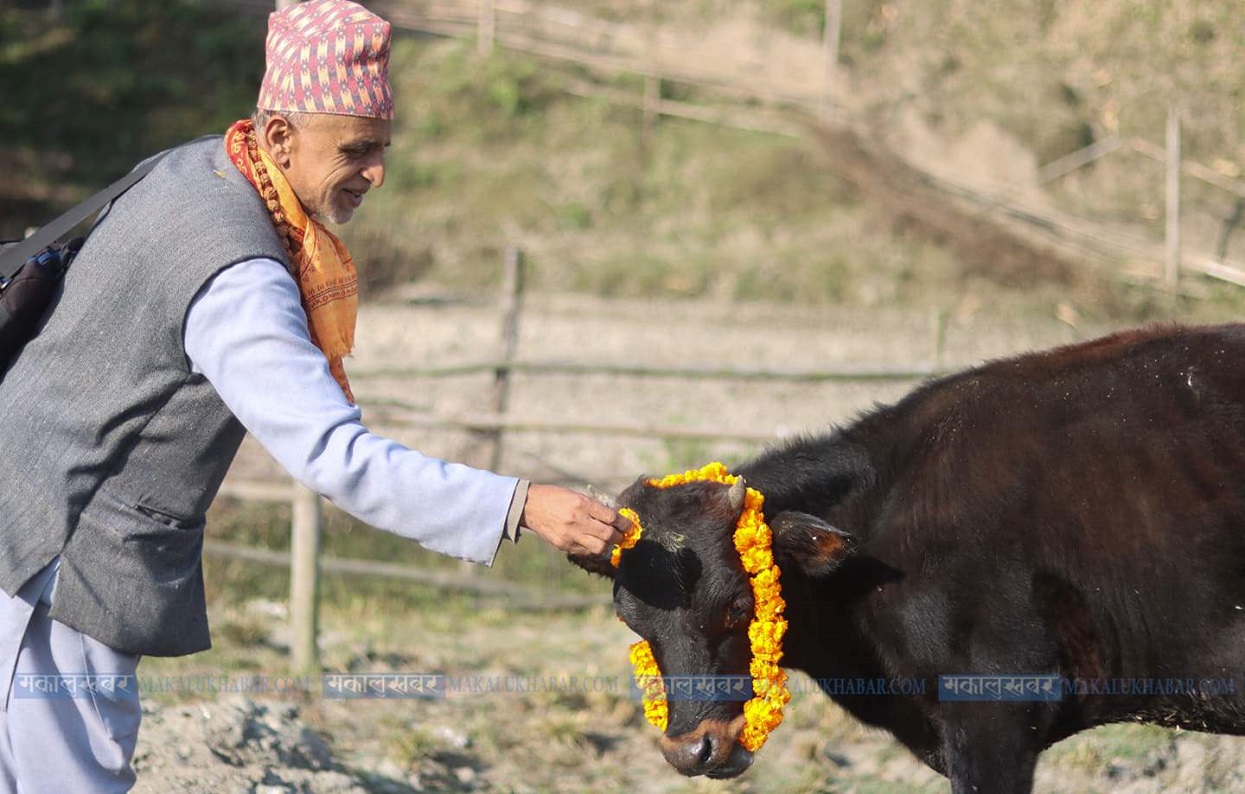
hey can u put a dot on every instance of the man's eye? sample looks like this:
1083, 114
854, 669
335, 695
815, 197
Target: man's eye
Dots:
357, 150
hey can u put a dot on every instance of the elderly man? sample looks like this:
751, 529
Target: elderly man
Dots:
210, 301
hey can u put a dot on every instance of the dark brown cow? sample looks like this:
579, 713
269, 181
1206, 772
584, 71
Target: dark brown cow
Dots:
1078, 514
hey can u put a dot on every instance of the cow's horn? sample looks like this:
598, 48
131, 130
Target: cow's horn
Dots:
739, 489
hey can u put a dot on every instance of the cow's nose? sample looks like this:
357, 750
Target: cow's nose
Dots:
710, 749
690, 754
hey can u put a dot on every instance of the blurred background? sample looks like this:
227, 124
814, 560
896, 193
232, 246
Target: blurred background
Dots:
833, 152
734, 220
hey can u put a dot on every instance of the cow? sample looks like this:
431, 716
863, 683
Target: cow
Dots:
1076, 513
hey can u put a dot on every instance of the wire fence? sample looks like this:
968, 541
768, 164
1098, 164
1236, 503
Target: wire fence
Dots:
493, 427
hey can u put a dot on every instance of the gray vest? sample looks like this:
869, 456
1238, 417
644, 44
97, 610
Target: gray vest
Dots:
111, 449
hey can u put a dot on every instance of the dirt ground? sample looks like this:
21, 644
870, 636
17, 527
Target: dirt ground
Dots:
581, 729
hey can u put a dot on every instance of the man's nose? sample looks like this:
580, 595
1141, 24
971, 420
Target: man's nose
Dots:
374, 172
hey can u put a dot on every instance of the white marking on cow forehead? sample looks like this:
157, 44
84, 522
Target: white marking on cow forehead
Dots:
672, 541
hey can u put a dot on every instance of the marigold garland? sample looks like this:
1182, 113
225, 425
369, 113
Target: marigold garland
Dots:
754, 542
630, 538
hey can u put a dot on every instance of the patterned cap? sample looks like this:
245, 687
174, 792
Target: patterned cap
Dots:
327, 56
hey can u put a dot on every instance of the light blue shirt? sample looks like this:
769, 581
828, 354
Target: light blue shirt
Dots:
246, 332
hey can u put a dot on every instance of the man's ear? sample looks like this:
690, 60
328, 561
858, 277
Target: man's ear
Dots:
599, 564
277, 138
810, 544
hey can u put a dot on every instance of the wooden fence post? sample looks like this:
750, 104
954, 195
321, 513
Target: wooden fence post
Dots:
830, 36
652, 103
1171, 272
511, 307
486, 27
938, 328
1229, 225
652, 71
308, 521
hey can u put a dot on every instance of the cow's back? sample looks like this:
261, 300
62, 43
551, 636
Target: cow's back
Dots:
1089, 501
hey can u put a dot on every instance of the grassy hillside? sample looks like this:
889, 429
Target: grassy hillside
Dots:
88, 92
493, 152
692, 210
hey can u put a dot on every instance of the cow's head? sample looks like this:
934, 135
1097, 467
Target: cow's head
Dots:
682, 588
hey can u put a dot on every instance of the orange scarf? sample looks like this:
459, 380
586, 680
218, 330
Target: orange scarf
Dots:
319, 262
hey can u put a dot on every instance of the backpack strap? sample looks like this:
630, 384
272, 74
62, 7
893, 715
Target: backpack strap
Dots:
13, 257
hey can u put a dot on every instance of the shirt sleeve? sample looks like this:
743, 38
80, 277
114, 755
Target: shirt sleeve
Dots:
246, 332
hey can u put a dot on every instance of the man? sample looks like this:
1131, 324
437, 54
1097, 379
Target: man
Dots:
210, 299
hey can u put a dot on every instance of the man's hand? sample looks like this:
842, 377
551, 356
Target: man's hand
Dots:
572, 522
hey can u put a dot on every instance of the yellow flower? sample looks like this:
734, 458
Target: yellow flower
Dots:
754, 542
648, 680
630, 537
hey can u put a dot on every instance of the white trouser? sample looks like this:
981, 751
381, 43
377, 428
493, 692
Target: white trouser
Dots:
56, 738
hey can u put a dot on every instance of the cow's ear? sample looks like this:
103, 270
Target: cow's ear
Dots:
599, 564
809, 543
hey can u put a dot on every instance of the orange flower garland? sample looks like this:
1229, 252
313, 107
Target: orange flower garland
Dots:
648, 679
753, 541
631, 537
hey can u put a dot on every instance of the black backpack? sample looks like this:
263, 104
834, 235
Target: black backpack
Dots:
31, 269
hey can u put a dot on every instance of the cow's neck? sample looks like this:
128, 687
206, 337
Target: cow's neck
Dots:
817, 476
832, 478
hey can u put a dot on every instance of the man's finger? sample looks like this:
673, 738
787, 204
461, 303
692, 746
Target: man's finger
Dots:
590, 547
600, 512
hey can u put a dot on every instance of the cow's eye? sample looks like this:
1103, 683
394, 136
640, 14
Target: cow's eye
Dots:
738, 614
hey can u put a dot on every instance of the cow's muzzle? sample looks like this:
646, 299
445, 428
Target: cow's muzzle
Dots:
712, 749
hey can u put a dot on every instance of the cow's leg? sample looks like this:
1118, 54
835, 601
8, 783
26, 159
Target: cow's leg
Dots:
991, 748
